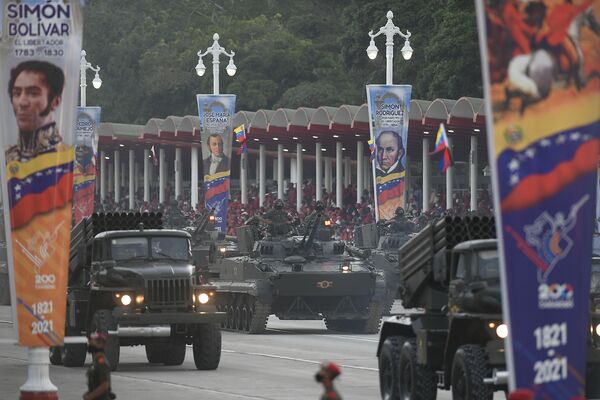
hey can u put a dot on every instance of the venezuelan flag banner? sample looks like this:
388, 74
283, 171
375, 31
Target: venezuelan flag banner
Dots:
40, 46
216, 112
86, 150
389, 106
541, 67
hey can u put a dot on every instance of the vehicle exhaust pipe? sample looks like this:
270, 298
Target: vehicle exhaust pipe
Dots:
143, 331
498, 378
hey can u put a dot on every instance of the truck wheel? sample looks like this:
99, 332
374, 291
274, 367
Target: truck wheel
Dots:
592, 389
73, 355
388, 371
155, 350
207, 347
103, 320
56, 355
469, 368
175, 351
416, 381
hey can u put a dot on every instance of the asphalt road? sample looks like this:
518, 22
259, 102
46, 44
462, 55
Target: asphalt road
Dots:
277, 365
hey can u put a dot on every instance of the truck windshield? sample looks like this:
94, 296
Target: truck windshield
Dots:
129, 248
488, 264
171, 248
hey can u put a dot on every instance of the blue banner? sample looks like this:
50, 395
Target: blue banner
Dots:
544, 140
389, 107
216, 112
84, 172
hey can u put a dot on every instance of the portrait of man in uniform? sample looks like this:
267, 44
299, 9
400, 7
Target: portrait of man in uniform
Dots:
217, 161
390, 152
35, 90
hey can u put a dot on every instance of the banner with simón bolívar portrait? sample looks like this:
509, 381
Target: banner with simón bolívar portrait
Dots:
84, 171
40, 44
216, 113
389, 107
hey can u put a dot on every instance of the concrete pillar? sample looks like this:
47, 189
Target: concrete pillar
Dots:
194, 177
131, 179
244, 177
117, 164
293, 172
262, 184
426, 174
318, 171
111, 176
123, 173
328, 174
280, 165
275, 161
299, 177
368, 173
257, 176
347, 172
162, 174
339, 183
146, 175
177, 167
473, 171
102, 175
449, 180
359, 170
136, 175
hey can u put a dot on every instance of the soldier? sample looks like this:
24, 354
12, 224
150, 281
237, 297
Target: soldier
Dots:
277, 219
98, 375
319, 207
327, 373
399, 223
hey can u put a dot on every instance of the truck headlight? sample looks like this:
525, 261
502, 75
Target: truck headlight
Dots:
201, 297
597, 330
502, 331
346, 267
139, 299
126, 299
223, 250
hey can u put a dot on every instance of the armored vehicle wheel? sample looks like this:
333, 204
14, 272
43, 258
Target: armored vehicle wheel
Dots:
469, 368
416, 381
388, 373
236, 318
207, 347
245, 321
103, 321
56, 355
175, 351
592, 389
230, 317
223, 308
258, 316
73, 355
155, 350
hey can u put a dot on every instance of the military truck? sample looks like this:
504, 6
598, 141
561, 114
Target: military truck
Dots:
452, 338
136, 281
298, 277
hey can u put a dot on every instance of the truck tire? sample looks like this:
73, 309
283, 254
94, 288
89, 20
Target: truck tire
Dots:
389, 357
73, 355
104, 321
469, 368
207, 347
56, 355
155, 350
416, 381
592, 388
175, 351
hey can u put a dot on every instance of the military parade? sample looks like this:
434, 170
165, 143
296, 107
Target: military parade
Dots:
149, 249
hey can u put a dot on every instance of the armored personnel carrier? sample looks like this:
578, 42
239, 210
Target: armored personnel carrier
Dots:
298, 277
129, 277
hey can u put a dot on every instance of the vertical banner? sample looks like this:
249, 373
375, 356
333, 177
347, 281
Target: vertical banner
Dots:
86, 149
39, 69
216, 112
540, 64
389, 107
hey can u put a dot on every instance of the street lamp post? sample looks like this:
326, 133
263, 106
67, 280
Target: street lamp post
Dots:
216, 50
83, 67
389, 29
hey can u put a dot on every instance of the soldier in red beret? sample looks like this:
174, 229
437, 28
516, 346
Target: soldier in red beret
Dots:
327, 373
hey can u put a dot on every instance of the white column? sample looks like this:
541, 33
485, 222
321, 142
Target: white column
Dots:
407, 182
177, 165
347, 172
262, 161
426, 174
117, 163
102, 175
338, 174
359, 170
299, 178
257, 176
38, 376
318, 171
146, 175
368, 173
194, 177
123, 173
473, 170
162, 172
111, 176
328, 174
280, 165
131, 179
449, 180
136, 175
244, 177
275, 161
293, 168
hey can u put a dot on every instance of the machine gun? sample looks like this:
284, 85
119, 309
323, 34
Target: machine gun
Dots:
309, 237
204, 219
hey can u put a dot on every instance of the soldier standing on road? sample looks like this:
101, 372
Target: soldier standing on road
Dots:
325, 376
98, 375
